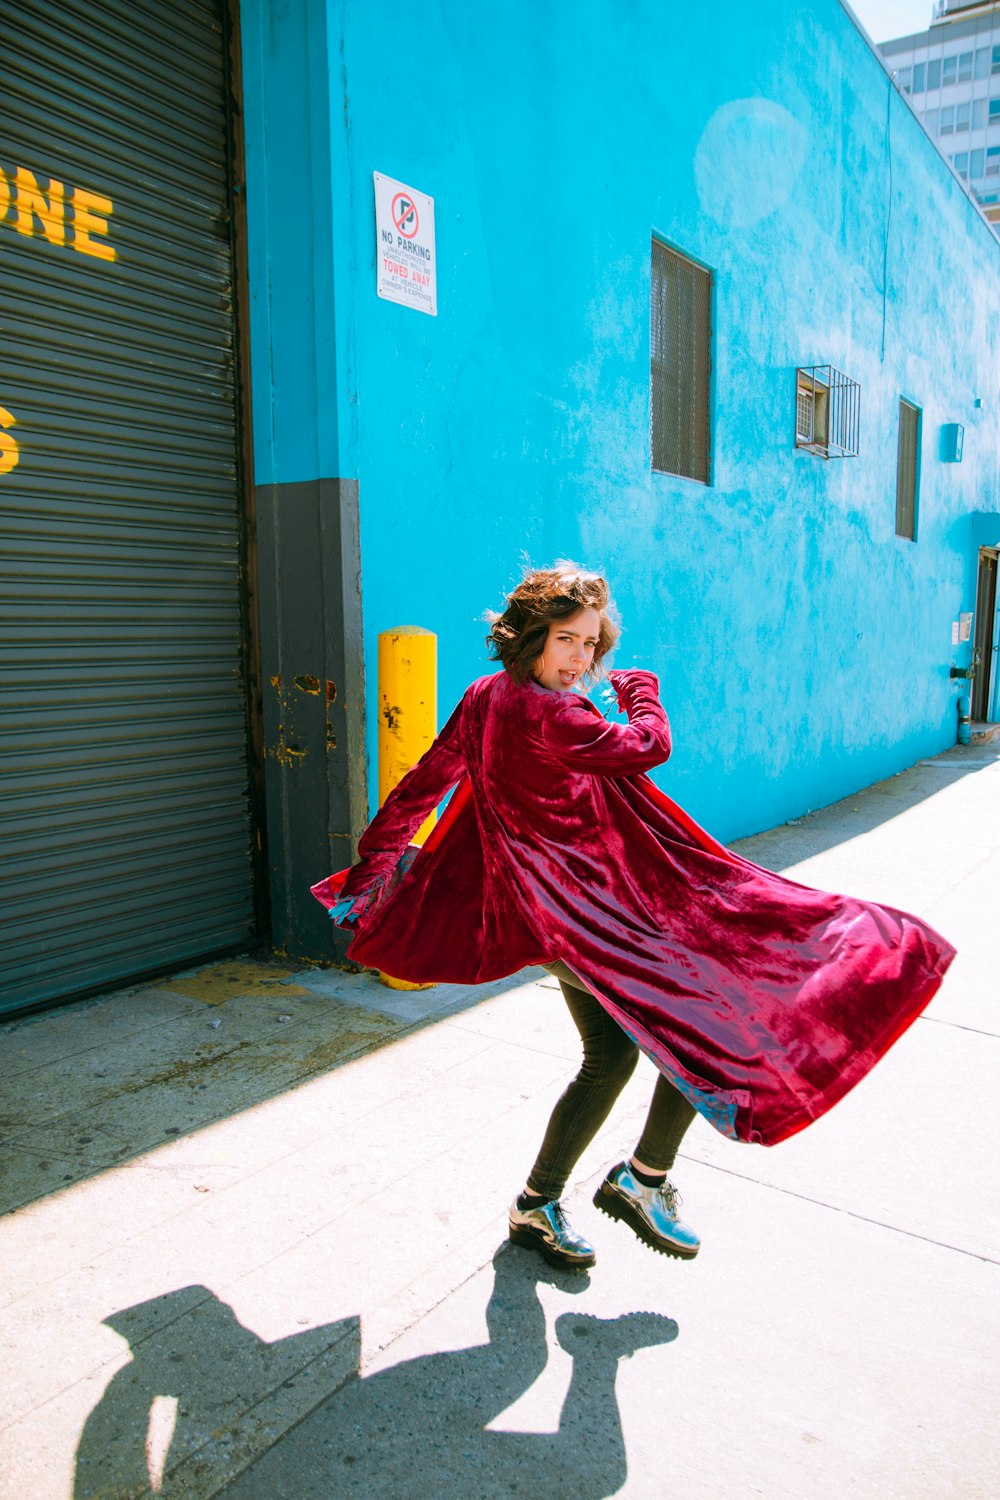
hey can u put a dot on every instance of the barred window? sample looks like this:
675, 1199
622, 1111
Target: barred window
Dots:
827, 412
680, 365
906, 470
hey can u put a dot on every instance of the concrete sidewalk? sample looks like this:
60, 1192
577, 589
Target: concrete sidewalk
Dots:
229, 1192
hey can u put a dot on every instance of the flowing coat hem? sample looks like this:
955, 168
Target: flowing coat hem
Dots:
763, 1000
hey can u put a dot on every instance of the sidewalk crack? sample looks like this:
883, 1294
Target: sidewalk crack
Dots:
957, 1026
912, 1234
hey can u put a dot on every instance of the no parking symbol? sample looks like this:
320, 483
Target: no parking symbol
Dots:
405, 264
405, 216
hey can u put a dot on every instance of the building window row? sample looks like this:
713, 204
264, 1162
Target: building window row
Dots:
975, 165
942, 72
827, 403
953, 119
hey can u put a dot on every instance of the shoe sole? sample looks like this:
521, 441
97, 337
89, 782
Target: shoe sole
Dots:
529, 1240
619, 1208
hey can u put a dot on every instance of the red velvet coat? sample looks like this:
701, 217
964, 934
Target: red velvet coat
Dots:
763, 1000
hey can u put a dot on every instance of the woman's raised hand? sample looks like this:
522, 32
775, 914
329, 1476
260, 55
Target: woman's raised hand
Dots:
622, 678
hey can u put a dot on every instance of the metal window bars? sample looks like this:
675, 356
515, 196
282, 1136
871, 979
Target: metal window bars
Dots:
827, 412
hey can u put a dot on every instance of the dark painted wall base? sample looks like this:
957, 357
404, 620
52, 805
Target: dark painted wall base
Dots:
313, 686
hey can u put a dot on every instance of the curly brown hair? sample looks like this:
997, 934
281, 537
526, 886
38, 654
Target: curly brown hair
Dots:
517, 636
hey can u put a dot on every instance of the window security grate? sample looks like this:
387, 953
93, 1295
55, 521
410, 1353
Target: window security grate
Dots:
827, 412
680, 366
906, 470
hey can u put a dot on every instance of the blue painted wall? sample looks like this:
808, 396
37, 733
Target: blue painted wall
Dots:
804, 649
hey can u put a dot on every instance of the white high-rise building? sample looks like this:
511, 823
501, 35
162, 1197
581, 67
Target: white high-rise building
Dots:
951, 73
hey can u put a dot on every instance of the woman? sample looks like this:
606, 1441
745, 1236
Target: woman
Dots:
762, 1002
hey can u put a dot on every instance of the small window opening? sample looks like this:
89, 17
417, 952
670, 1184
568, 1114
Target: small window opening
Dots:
680, 366
827, 412
907, 454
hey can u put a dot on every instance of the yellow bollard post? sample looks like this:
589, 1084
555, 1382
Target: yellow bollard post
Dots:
407, 719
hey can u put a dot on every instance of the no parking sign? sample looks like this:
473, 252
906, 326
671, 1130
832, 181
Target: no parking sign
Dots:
406, 270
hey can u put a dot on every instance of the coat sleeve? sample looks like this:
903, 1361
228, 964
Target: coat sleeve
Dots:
406, 807
583, 740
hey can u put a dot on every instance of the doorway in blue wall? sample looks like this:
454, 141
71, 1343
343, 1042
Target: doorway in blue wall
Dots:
985, 637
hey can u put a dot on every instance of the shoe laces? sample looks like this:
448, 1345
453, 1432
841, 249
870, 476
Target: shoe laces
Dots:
560, 1215
671, 1197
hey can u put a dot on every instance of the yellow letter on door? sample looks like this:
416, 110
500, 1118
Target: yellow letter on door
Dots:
90, 217
32, 204
9, 453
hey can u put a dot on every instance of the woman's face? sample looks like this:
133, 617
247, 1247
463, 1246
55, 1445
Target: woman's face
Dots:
568, 651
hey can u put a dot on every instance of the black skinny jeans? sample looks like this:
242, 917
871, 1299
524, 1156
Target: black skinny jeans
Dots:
609, 1059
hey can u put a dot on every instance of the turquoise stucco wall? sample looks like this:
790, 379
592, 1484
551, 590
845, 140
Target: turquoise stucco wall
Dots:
804, 649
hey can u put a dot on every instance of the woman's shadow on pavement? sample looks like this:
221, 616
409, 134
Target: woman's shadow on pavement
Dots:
416, 1428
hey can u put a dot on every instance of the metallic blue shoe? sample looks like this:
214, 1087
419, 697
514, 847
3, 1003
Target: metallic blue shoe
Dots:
650, 1212
546, 1229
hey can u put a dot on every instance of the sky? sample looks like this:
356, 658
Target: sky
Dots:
885, 19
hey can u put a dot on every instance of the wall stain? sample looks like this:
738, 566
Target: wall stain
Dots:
331, 698
288, 755
183, 1069
288, 749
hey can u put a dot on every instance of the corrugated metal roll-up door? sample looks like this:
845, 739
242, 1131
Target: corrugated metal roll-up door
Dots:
125, 817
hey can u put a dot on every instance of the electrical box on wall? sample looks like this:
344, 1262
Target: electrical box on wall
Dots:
952, 442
